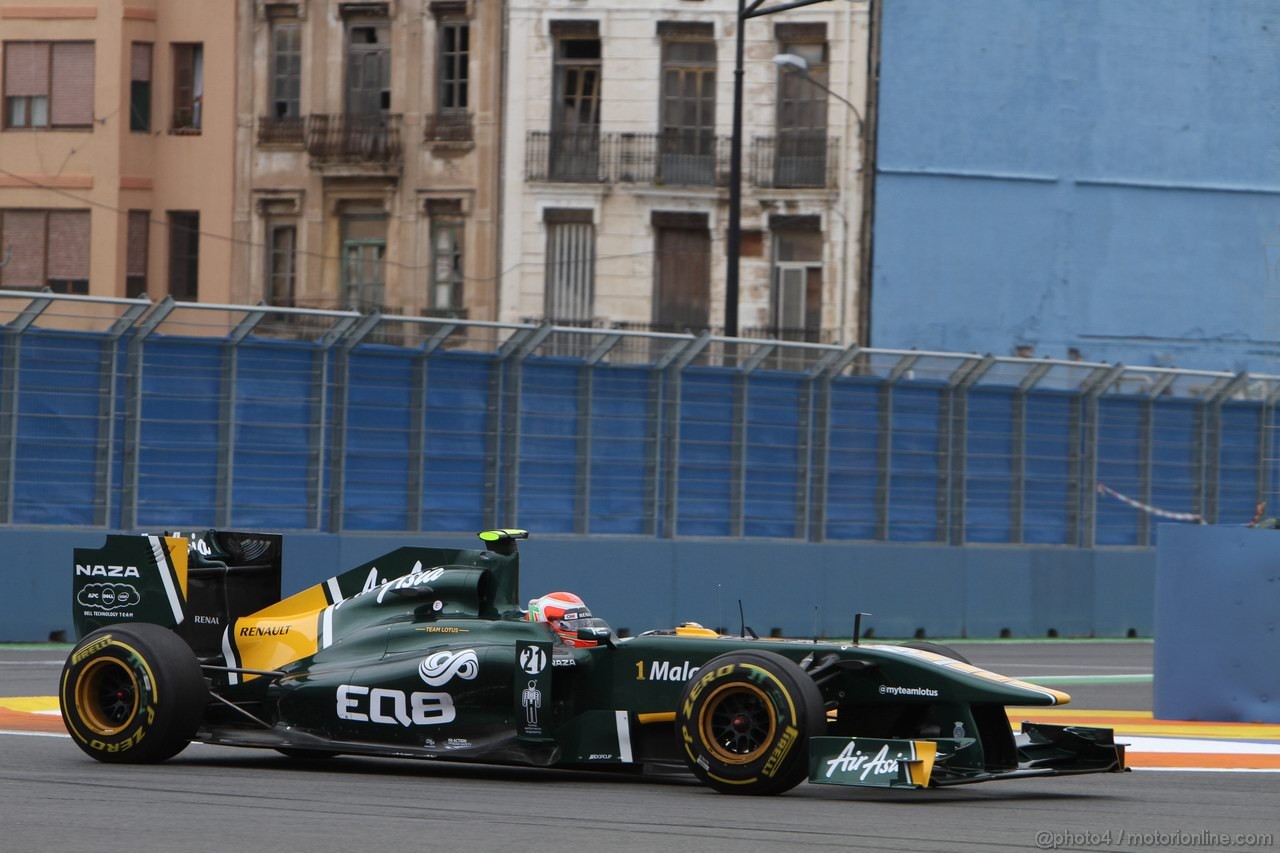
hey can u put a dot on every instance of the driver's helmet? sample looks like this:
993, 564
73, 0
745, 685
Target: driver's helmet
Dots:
567, 614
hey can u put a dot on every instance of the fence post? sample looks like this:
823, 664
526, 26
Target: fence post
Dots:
1018, 488
10, 387
960, 384
814, 485
338, 343
109, 370
227, 416
1146, 453
503, 480
586, 432
131, 449
672, 365
1084, 443
1211, 483
419, 384
738, 431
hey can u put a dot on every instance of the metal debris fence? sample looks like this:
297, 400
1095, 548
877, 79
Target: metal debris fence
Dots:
127, 414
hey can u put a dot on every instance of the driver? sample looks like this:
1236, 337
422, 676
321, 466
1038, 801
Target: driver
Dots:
567, 614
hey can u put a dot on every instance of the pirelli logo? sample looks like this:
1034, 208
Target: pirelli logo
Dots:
96, 645
789, 735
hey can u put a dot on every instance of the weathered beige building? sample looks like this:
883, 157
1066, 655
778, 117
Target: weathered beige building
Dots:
367, 155
617, 139
116, 146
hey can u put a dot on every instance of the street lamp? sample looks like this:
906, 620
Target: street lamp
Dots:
747, 9
798, 65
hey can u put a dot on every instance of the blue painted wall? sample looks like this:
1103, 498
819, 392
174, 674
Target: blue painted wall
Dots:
641, 583
1097, 174
1217, 597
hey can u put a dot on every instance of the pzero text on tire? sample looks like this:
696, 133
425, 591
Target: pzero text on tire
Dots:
132, 694
744, 723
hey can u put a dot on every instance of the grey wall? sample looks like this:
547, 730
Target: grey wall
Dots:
641, 583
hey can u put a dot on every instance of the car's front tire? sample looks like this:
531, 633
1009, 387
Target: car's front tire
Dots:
744, 723
132, 694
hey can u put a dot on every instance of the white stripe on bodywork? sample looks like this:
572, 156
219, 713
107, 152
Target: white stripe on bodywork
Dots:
233, 678
162, 566
335, 592
624, 737
326, 627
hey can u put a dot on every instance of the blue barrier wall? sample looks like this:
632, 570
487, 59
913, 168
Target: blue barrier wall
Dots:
1096, 174
642, 583
1217, 600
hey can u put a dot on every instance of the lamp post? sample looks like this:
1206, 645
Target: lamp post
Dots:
790, 63
747, 9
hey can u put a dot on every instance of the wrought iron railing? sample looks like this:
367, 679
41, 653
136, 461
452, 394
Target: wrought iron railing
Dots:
801, 160
288, 130
373, 138
686, 158
448, 127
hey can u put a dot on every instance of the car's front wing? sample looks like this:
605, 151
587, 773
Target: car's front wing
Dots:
1043, 750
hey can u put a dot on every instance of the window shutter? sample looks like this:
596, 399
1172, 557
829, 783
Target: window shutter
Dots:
24, 231
139, 228
72, 101
69, 244
26, 69
140, 66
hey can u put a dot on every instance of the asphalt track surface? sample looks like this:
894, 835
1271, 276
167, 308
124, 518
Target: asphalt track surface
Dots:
53, 797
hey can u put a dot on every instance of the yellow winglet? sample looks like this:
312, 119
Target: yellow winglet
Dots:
921, 768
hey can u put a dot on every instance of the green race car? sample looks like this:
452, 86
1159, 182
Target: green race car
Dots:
426, 653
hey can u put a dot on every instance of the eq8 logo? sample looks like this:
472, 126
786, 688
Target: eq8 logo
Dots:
108, 596
394, 707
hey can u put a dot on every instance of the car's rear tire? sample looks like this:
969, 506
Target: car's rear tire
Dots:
744, 723
132, 694
937, 649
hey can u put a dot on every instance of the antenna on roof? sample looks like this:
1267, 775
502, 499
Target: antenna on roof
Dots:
742, 619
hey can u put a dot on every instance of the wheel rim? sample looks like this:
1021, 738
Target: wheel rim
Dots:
737, 723
106, 696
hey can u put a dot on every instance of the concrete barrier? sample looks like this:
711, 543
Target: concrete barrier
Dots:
642, 583
1217, 609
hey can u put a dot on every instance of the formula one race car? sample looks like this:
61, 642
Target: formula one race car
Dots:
425, 653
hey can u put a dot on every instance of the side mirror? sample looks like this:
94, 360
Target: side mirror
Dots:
597, 635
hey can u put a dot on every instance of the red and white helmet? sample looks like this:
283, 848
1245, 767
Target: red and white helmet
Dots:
567, 614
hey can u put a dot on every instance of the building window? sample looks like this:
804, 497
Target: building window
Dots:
140, 88
48, 85
801, 158
138, 245
188, 88
455, 37
446, 257
282, 242
48, 248
687, 135
682, 271
286, 69
797, 280
575, 116
571, 267
364, 253
368, 68
184, 255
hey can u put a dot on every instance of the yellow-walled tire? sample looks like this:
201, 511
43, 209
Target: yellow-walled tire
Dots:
744, 723
132, 694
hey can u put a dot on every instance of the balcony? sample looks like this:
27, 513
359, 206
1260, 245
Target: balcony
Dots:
799, 160
354, 139
588, 156
447, 127
291, 130
689, 158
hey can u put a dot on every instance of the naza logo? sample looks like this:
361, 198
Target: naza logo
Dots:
95, 571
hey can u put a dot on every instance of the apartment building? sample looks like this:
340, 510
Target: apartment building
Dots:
116, 147
617, 140
367, 155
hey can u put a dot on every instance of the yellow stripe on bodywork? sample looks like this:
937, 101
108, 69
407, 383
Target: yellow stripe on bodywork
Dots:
282, 633
658, 717
177, 547
921, 768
